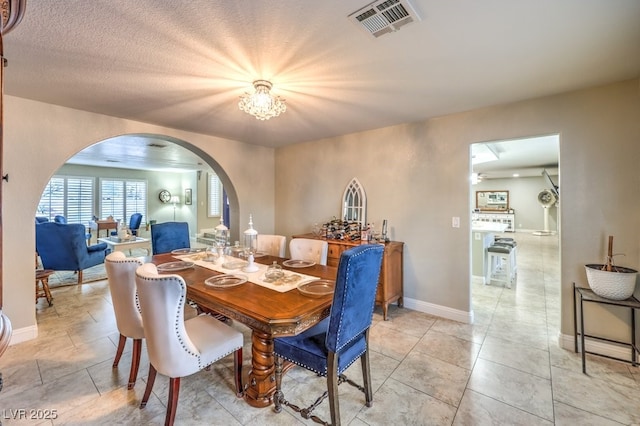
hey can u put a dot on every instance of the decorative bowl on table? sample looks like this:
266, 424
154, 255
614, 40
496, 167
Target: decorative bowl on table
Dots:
317, 288
617, 284
296, 263
178, 265
225, 281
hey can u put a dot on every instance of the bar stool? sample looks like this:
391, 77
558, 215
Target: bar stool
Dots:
42, 285
501, 262
509, 242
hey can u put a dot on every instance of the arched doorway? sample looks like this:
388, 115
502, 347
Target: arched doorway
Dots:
167, 163
97, 180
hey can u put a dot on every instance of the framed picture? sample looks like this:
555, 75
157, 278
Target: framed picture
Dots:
187, 196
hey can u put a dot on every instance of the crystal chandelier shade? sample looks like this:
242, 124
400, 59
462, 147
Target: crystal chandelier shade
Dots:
262, 104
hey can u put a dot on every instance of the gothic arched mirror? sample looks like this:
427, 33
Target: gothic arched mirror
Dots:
354, 203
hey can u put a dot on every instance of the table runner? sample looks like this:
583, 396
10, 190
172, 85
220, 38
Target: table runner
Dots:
255, 277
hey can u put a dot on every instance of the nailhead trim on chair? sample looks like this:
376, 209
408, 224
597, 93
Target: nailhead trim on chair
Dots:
322, 373
339, 326
342, 313
180, 315
129, 260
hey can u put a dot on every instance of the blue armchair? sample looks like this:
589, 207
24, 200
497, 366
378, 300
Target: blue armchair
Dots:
63, 247
134, 223
61, 219
330, 347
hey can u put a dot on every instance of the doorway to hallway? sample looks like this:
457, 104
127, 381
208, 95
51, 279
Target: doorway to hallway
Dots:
520, 172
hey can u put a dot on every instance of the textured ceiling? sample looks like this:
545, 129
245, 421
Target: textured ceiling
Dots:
184, 64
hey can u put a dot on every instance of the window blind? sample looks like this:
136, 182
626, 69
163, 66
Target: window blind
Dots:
215, 195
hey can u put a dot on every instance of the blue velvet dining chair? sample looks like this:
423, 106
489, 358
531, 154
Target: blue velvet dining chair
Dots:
330, 347
134, 223
168, 236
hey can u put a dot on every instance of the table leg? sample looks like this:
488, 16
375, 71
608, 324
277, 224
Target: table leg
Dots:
633, 337
261, 384
584, 366
575, 321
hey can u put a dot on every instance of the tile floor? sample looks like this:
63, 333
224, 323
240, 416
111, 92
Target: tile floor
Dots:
506, 368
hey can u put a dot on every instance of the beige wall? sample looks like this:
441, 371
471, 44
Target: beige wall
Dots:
417, 176
39, 138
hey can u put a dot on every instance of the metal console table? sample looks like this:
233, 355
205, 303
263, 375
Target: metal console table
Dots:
587, 295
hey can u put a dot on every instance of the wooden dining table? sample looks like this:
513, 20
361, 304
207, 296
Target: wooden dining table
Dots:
268, 313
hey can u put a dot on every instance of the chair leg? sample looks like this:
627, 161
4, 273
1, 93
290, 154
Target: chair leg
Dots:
366, 378
332, 387
147, 390
366, 372
135, 362
278, 396
121, 344
172, 404
237, 368
79, 277
47, 290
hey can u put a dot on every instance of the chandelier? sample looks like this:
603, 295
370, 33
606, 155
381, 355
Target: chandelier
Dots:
262, 104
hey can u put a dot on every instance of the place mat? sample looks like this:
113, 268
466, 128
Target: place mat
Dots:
290, 281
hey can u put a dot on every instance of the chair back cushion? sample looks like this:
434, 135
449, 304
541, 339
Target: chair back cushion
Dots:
309, 249
355, 294
162, 299
273, 245
169, 236
134, 222
59, 219
121, 275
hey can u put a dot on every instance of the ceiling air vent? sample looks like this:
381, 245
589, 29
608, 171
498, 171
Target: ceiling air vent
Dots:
384, 16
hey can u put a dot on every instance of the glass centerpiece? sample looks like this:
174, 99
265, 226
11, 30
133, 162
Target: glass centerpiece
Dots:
250, 246
221, 237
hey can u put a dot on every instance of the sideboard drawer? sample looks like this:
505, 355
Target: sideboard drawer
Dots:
333, 253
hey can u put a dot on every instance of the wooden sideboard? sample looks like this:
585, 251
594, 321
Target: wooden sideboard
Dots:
390, 285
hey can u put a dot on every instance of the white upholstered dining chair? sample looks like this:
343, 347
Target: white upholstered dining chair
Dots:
309, 249
273, 245
179, 348
121, 275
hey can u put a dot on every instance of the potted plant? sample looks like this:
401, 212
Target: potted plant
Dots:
611, 281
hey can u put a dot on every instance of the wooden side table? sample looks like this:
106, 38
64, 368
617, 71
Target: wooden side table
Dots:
106, 225
42, 285
582, 295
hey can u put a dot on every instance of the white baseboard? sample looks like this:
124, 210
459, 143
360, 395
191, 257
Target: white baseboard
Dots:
440, 311
566, 341
23, 334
